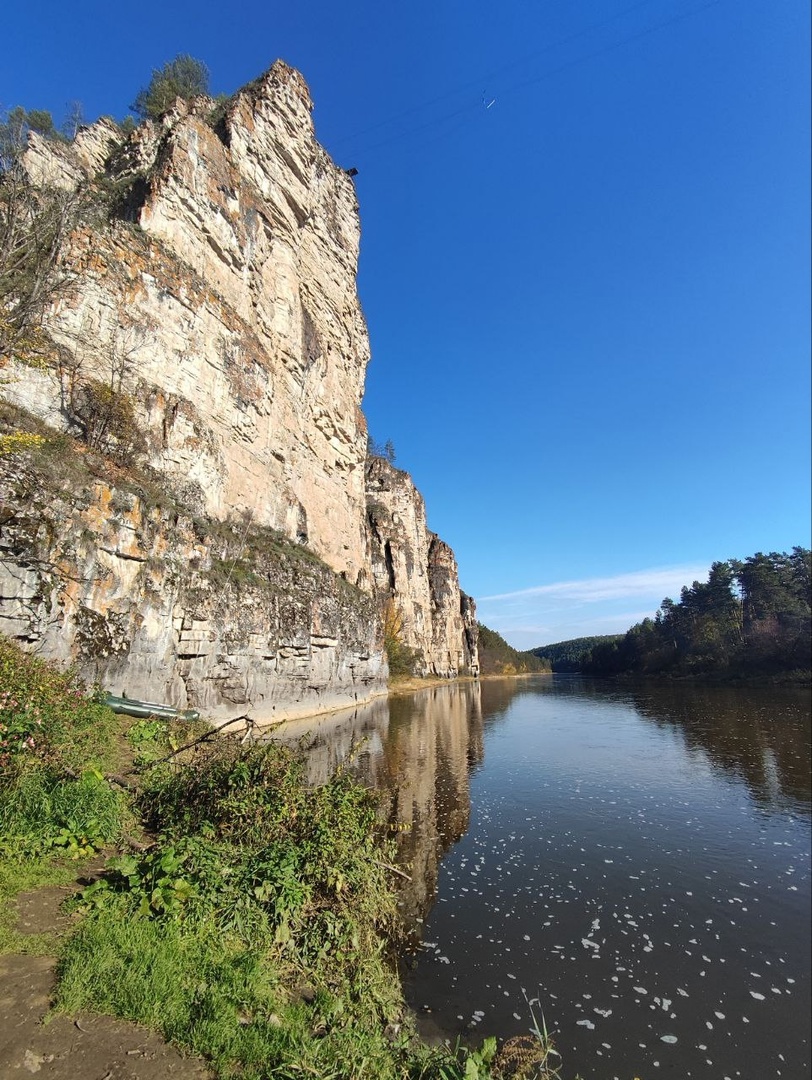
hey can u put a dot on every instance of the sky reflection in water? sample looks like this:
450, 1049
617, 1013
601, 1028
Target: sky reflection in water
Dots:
635, 864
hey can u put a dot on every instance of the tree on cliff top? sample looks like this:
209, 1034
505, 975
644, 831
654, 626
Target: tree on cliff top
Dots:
14, 128
34, 222
183, 77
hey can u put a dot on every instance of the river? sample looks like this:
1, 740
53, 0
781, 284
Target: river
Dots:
632, 865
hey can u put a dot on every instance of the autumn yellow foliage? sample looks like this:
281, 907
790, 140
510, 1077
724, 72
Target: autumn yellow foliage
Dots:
18, 441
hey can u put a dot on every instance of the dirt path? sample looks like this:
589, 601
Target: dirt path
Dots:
86, 1047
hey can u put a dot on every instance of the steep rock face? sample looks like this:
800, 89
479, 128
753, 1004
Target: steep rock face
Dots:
417, 572
230, 313
211, 284
454, 629
155, 604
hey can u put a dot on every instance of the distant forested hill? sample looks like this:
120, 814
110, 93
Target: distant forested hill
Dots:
496, 657
569, 655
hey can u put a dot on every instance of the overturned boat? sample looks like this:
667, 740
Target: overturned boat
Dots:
146, 709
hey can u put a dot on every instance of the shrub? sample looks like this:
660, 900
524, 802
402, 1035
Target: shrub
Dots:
305, 866
107, 420
34, 223
184, 77
17, 442
48, 716
258, 884
403, 659
54, 739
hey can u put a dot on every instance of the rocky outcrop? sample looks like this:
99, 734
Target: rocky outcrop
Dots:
150, 602
417, 572
210, 287
230, 313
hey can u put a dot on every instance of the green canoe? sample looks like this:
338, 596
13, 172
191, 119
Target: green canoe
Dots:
143, 709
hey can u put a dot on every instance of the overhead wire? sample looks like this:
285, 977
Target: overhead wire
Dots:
475, 107
645, 32
488, 75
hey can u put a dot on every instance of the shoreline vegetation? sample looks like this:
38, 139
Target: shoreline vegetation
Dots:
249, 919
750, 621
212, 896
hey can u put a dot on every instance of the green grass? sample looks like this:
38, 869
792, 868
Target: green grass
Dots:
220, 997
257, 929
48, 718
19, 875
56, 809
55, 742
42, 810
258, 884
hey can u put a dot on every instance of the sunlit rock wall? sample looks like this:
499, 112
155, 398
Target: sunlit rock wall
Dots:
227, 305
211, 281
417, 571
147, 602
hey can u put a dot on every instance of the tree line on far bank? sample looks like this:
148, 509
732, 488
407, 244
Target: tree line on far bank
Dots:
751, 617
567, 656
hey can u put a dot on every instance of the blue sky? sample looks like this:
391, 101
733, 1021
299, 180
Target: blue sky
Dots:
588, 301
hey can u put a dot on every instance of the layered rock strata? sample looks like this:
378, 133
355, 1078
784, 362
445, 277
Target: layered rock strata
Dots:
226, 304
414, 570
158, 605
213, 288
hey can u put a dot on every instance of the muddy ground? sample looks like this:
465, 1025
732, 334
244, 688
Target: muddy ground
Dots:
84, 1047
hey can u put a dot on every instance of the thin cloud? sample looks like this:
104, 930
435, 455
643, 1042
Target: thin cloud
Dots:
624, 620
663, 581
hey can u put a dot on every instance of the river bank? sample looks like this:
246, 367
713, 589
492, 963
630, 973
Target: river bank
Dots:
245, 917
413, 684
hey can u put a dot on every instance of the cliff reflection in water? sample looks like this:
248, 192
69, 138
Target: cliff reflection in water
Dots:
638, 858
419, 751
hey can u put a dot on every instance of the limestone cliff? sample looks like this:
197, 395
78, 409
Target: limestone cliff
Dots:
156, 603
230, 312
414, 568
213, 289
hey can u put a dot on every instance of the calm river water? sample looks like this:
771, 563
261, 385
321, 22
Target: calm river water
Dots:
634, 864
